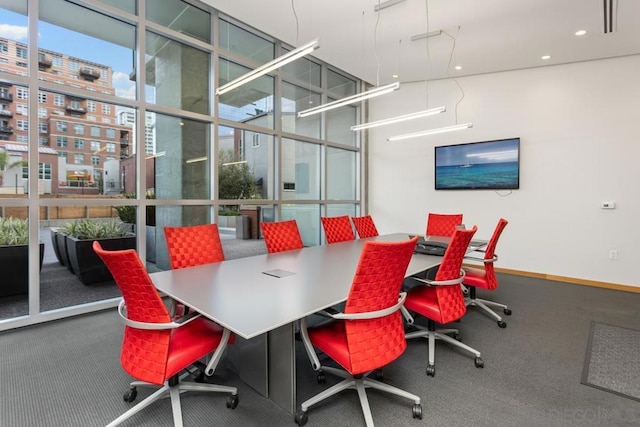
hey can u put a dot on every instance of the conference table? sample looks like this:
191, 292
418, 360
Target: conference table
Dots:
260, 299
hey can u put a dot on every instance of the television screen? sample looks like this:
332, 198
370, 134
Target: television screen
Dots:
490, 165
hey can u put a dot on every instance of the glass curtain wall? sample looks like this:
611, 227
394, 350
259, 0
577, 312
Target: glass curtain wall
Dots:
109, 126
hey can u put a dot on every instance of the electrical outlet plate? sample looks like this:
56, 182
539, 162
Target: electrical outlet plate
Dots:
608, 205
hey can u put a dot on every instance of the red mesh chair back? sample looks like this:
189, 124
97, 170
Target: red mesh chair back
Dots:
373, 343
193, 245
490, 249
337, 229
281, 236
365, 227
450, 298
442, 224
144, 352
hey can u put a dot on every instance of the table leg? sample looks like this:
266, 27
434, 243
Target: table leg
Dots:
282, 366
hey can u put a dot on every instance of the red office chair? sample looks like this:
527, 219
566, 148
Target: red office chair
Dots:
486, 279
442, 224
369, 334
365, 227
337, 229
441, 300
192, 245
281, 236
155, 348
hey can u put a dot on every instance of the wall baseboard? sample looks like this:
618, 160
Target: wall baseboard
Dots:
572, 280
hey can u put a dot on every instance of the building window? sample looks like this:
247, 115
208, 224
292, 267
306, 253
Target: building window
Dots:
57, 61
91, 106
21, 64
21, 52
95, 131
22, 109
78, 143
255, 143
106, 109
61, 126
4, 47
62, 154
61, 141
95, 160
78, 128
106, 120
42, 140
22, 138
22, 124
95, 145
43, 127
42, 97
42, 112
44, 171
22, 93
111, 133
58, 100
78, 159
111, 147
73, 65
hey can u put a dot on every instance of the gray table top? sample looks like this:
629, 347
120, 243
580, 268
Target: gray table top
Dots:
239, 296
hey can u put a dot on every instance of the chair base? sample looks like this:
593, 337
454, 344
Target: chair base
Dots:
360, 383
173, 388
444, 335
484, 304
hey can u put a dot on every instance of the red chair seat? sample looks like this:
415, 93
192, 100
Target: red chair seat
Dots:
331, 339
476, 277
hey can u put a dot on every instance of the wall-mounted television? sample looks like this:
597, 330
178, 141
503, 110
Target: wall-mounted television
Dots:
489, 165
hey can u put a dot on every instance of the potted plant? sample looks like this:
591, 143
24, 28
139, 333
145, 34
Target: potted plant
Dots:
14, 256
80, 235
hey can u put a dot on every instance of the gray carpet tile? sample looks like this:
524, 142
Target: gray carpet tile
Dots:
67, 372
612, 361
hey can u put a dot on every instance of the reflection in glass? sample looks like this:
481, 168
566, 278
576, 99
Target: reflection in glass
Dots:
245, 164
250, 103
341, 174
126, 5
303, 70
339, 210
340, 86
294, 99
339, 122
172, 216
100, 59
300, 170
243, 43
181, 16
177, 74
14, 41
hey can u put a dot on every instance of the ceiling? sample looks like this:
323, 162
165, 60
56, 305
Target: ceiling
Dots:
489, 35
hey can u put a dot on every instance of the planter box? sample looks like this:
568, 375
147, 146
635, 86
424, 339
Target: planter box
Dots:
85, 262
14, 263
57, 247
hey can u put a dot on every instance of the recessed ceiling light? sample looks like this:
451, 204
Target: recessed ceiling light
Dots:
458, 67
395, 76
580, 33
546, 57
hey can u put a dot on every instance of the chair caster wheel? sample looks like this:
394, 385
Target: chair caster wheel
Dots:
322, 378
431, 371
417, 411
301, 418
502, 324
130, 395
232, 401
479, 362
507, 311
379, 375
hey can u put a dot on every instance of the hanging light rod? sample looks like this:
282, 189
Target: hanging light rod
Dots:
270, 66
380, 90
386, 4
430, 132
416, 115
425, 35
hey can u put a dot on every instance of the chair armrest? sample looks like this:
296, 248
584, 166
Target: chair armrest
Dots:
371, 314
155, 326
484, 260
442, 282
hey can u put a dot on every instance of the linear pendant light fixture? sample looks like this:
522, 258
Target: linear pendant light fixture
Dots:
380, 90
430, 132
384, 122
270, 66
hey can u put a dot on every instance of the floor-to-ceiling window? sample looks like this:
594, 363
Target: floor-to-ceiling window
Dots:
108, 117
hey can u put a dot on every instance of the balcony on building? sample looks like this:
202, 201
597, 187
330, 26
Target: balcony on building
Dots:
6, 129
89, 73
6, 96
76, 108
6, 113
43, 61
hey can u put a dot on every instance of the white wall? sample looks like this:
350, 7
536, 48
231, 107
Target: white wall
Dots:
579, 126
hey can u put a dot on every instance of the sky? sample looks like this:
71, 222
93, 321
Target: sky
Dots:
14, 26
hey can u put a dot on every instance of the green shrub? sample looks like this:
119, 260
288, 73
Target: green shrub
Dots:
87, 229
14, 231
228, 213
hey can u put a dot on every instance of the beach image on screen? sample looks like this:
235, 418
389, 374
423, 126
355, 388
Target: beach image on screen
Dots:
479, 165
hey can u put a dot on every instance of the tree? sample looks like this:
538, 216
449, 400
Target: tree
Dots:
5, 164
235, 181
